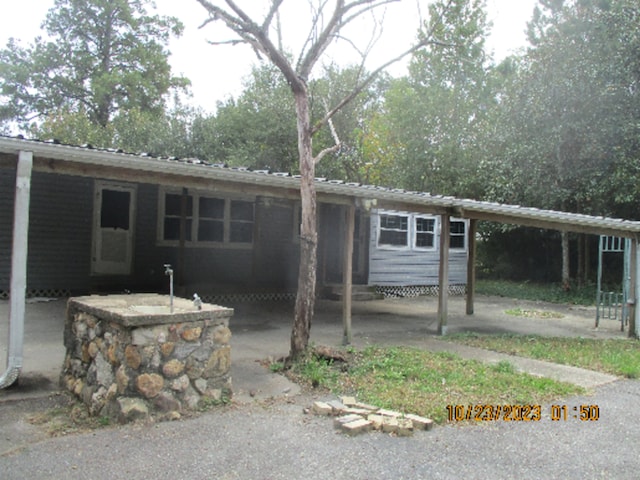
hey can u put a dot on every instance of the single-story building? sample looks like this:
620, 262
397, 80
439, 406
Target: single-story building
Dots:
113, 227
78, 219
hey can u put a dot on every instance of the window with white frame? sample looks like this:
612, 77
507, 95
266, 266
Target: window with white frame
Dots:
394, 231
424, 232
418, 231
457, 236
209, 220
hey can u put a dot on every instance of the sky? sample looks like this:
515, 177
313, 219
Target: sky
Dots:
216, 72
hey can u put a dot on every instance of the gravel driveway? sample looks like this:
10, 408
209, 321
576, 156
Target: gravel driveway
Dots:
279, 441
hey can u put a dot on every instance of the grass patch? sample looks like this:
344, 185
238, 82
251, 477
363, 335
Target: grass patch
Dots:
548, 292
615, 356
527, 313
421, 382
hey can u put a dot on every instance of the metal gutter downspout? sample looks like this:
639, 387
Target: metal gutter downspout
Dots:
18, 269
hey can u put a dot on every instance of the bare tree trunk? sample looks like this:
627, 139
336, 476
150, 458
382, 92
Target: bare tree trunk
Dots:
305, 298
566, 284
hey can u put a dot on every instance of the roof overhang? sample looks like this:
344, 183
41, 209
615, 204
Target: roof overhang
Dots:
110, 164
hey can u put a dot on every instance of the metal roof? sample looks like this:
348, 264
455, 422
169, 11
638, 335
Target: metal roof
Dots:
178, 170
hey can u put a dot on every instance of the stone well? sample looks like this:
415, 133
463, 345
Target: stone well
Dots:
129, 357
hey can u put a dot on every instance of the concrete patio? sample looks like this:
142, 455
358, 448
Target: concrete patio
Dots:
262, 330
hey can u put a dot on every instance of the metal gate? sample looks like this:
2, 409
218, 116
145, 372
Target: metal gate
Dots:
613, 305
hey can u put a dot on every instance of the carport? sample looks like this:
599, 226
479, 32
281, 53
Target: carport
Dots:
26, 156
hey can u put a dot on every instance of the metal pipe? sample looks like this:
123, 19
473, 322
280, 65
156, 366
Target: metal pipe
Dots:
18, 269
169, 271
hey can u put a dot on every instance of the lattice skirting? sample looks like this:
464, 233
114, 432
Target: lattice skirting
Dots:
42, 292
418, 290
222, 298
387, 291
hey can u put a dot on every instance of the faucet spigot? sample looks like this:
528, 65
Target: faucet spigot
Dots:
197, 301
167, 269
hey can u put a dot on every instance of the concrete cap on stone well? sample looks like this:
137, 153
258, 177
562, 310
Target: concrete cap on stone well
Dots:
147, 309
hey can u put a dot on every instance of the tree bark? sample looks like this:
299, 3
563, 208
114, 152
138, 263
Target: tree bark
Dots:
305, 298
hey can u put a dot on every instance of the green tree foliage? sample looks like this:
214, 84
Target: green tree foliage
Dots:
566, 129
258, 128
99, 57
435, 113
569, 120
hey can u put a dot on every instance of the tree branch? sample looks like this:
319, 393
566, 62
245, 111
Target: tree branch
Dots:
426, 40
324, 152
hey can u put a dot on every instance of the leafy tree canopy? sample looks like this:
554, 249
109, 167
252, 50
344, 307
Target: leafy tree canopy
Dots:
99, 57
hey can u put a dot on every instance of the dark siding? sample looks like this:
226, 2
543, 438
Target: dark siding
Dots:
7, 189
60, 216
276, 255
60, 240
270, 264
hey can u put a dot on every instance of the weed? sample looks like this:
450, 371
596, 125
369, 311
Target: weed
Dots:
422, 382
553, 293
276, 367
521, 312
614, 356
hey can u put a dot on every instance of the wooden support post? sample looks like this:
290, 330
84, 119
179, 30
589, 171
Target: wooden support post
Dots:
634, 290
347, 272
443, 275
471, 265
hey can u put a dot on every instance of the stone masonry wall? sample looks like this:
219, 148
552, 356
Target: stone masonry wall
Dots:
128, 373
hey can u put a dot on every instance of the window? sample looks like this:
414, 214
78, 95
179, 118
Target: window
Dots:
425, 232
418, 231
241, 222
209, 220
172, 211
457, 236
394, 231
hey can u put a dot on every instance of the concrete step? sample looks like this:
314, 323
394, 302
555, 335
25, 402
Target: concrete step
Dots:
359, 293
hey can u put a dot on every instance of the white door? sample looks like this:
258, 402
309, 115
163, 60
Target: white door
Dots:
113, 222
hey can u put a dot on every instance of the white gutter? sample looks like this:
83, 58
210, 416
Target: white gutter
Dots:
18, 269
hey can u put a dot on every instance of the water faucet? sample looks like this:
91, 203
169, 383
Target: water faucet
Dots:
169, 271
197, 301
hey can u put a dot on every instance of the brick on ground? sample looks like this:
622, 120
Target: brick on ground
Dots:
389, 424
366, 406
338, 422
389, 413
405, 427
357, 427
337, 407
357, 411
376, 420
322, 408
348, 401
420, 423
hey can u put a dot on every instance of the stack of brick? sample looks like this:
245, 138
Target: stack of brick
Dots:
353, 417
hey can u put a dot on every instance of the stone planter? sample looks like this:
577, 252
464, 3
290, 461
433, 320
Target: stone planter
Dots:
128, 357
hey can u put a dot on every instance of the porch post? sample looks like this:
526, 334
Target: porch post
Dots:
634, 288
347, 272
471, 265
443, 275
18, 284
